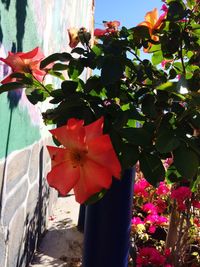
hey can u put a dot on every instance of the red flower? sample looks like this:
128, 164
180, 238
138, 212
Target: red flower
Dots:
112, 24
149, 256
196, 204
181, 194
111, 27
25, 63
153, 23
87, 161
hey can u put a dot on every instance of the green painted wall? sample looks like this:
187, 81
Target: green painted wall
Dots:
25, 24
16, 128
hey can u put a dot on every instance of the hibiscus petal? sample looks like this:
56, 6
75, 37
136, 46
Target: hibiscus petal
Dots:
101, 151
35, 54
14, 61
94, 129
71, 135
8, 79
99, 32
58, 155
63, 177
93, 178
152, 16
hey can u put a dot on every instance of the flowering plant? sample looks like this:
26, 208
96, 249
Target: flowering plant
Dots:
165, 224
131, 109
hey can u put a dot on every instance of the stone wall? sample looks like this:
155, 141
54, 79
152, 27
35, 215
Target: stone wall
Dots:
25, 198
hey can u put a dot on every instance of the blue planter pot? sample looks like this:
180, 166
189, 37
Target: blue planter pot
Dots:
81, 218
107, 226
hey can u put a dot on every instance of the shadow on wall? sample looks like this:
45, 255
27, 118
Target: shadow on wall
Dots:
20, 18
20, 6
6, 3
35, 222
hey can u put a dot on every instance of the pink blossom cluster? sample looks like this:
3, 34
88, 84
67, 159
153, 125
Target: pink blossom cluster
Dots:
140, 188
181, 195
149, 256
153, 208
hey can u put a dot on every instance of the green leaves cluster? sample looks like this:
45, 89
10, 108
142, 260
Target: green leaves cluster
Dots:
147, 115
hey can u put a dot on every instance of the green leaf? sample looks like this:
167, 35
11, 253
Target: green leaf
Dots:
152, 168
196, 182
141, 32
35, 95
157, 57
93, 83
69, 87
168, 86
96, 197
11, 86
136, 136
97, 49
186, 161
59, 67
55, 57
148, 106
172, 175
56, 74
75, 69
175, 11
130, 155
112, 69
167, 141
78, 50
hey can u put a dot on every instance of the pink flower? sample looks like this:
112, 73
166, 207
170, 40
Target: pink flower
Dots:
164, 8
149, 208
152, 229
140, 188
196, 204
168, 162
167, 252
165, 61
181, 194
136, 221
161, 205
149, 256
155, 219
162, 189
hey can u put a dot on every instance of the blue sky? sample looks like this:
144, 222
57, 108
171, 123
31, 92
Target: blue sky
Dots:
128, 12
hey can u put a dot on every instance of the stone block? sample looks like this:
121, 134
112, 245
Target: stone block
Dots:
32, 201
16, 240
17, 167
14, 201
2, 247
34, 163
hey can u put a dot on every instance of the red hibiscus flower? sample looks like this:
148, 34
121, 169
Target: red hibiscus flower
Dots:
153, 23
110, 27
86, 162
25, 63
